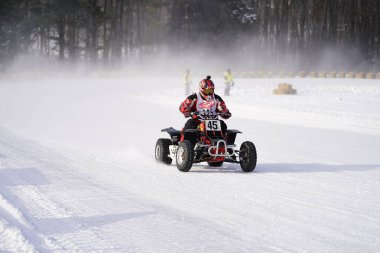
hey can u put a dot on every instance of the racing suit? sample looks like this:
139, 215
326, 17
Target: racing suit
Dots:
203, 106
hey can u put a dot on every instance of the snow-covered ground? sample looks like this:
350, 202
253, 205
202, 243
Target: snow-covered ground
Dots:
77, 169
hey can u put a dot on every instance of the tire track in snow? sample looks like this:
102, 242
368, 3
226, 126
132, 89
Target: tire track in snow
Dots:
12, 223
56, 210
32, 199
267, 188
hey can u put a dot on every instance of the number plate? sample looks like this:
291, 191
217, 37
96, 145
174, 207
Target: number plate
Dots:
213, 125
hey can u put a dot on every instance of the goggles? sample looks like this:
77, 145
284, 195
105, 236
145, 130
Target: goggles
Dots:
208, 91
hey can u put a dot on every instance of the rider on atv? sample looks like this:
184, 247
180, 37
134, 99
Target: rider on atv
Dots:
205, 103
205, 137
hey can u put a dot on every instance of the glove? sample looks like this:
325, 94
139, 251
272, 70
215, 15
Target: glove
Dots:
225, 115
194, 115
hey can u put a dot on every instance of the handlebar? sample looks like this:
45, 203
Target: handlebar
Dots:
210, 115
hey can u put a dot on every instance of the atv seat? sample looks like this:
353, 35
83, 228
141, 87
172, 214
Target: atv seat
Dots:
191, 130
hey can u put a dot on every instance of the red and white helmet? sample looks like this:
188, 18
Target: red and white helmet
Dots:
206, 87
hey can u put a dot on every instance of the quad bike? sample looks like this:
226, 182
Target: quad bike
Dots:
211, 146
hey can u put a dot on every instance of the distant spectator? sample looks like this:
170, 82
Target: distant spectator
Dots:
228, 81
187, 81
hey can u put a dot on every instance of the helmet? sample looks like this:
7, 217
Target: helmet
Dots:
206, 87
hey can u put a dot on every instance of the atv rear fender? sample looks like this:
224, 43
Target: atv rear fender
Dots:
231, 136
175, 135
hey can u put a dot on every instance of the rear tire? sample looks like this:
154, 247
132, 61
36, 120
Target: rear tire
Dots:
184, 156
247, 156
162, 151
215, 164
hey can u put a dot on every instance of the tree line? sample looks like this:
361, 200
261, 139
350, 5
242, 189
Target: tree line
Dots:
112, 32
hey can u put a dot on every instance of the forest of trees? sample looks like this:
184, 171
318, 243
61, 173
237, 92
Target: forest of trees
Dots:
114, 32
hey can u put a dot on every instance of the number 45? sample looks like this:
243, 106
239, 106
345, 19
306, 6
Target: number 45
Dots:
212, 125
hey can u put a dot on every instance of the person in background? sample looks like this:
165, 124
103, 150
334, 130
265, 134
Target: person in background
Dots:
228, 81
187, 81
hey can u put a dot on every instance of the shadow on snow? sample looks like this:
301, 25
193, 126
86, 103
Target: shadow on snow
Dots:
22, 176
284, 168
313, 167
72, 224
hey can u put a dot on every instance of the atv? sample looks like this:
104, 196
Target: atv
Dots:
211, 146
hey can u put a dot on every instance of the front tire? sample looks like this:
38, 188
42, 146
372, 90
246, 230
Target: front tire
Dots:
184, 156
247, 156
162, 151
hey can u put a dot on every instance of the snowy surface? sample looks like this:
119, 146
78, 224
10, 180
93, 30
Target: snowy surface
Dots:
77, 169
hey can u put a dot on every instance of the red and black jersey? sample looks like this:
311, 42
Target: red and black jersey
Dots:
195, 102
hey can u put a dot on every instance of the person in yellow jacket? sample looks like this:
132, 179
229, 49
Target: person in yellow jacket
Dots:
228, 81
187, 81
